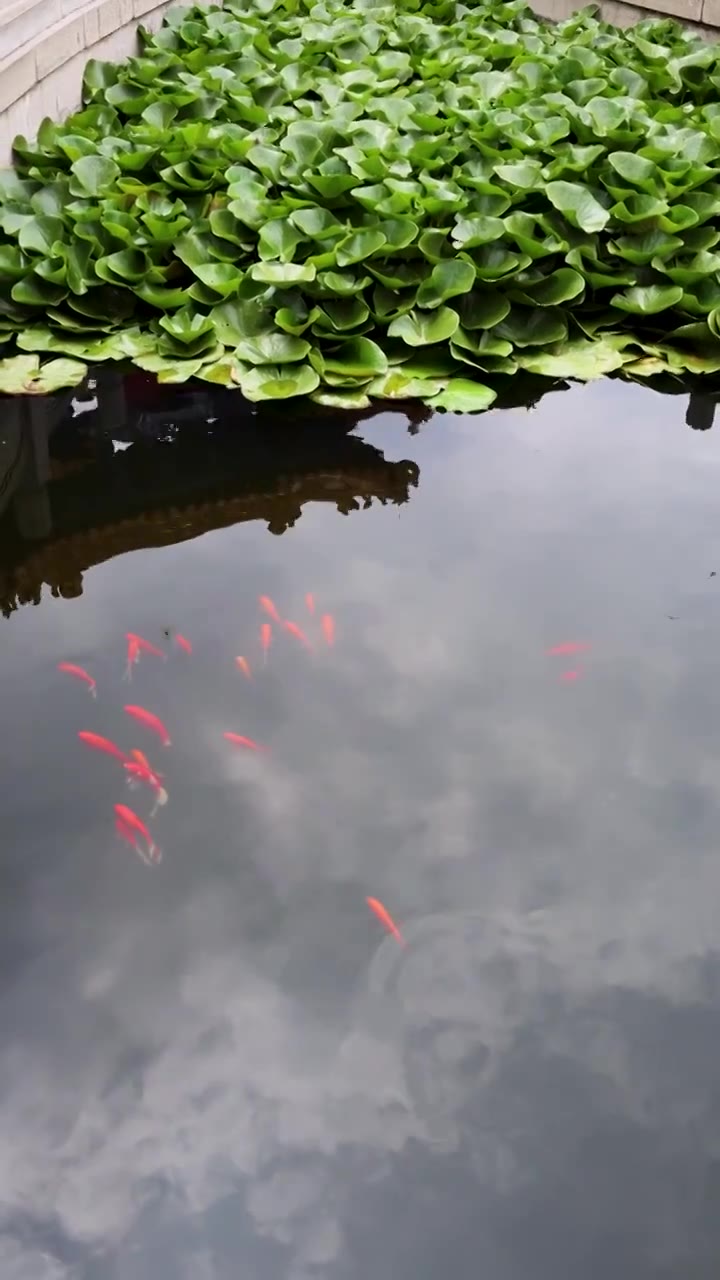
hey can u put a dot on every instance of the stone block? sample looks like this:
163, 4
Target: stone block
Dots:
112, 15
59, 45
711, 13
17, 77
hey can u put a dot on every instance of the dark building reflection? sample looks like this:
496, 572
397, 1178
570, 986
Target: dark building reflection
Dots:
125, 464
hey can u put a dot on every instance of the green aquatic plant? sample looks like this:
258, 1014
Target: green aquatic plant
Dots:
349, 201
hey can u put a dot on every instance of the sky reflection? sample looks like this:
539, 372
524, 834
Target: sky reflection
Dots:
223, 1066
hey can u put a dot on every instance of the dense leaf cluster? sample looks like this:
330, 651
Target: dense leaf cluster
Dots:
361, 199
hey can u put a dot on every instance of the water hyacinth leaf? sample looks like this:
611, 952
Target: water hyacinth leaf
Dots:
533, 328
282, 273
24, 375
581, 360
234, 322
339, 399
397, 384
446, 280
220, 277
359, 246
324, 177
562, 285
33, 291
278, 382
168, 369
648, 300
357, 357
93, 175
460, 395
186, 326
423, 329
482, 309
578, 205
13, 264
39, 234
635, 169
272, 348
469, 232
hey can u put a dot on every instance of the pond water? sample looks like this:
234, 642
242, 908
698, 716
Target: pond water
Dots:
221, 1064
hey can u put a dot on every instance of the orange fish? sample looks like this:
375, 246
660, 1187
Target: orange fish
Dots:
310, 603
327, 622
386, 919
142, 759
266, 603
133, 656
569, 676
138, 773
569, 647
244, 666
238, 741
144, 646
80, 674
101, 744
133, 823
265, 640
128, 835
150, 721
183, 643
298, 633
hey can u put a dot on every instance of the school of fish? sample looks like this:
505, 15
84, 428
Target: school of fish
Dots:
129, 826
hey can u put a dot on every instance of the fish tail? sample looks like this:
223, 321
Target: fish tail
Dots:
93, 691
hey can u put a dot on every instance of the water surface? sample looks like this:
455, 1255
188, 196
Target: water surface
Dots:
221, 1066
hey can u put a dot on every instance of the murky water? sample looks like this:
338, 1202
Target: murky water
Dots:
222, 1066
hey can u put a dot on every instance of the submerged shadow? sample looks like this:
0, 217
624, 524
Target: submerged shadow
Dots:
135, 465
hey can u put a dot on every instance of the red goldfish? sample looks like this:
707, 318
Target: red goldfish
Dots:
140, 773
144, 646
570, 646
265, 640
133, 823
133, 656
183, 643
244, 666
327, 622
386, 919
80, 674
151, 722
569, 676
127, 834
310, 604
266, 603
101, 744
298, 633
238, 741
141, 758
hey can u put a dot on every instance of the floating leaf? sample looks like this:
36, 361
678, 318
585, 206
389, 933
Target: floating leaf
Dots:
24, 375
463, 396
445, 281
422, 329
581, 360
272, 348
578, 205
93, 175
648, 300
278, 382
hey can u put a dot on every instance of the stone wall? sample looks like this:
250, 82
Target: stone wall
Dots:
44, 45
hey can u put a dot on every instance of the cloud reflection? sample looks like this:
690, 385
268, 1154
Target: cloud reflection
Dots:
228, 1068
